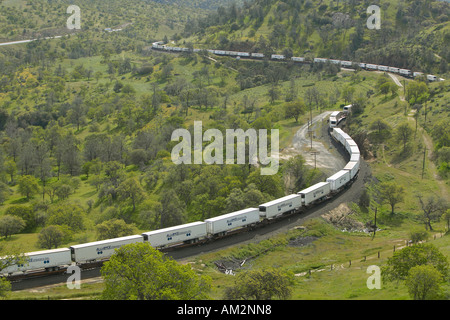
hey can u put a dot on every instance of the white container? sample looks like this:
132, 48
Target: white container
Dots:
347, 109
315, 193
177, 234
277, 57
100, 250
349, 143
405, 72
340, 135
334, 119
355, 157
297, 59
320, 60
354, 151
394, 70
279, 206
232, 221
338, 180
353, 168
46, 259
346, 63
257, 55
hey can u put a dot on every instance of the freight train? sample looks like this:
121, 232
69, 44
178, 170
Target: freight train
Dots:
159, 45
200, 231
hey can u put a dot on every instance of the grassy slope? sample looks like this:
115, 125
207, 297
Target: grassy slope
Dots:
337, 248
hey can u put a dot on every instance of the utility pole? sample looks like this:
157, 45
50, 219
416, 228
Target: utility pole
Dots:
423, 164
311, 133
315, 153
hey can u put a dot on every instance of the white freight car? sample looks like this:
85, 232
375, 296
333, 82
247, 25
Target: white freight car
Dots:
354, 150
383, 68
431, 77
103, 249
338, 180
334, 119
321, 60
190, 232
340, 135
230, 221
405, 72
257, 55
279, 206
277, 57
298, 59
346, 63
47, 259
349, 144
347, 109
314, 193
371, 66
394, 69
355, 157
334, 61
353, 168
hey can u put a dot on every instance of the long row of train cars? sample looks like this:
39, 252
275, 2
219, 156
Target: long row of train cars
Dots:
210, 229
280, 57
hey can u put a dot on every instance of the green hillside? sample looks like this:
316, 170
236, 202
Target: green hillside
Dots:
86, 123
413, 34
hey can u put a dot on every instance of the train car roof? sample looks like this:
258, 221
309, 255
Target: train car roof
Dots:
291, 196
95, 243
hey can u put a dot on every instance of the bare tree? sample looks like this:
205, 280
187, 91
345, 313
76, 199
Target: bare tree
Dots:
433, 208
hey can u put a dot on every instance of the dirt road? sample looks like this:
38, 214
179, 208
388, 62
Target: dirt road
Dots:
325, 156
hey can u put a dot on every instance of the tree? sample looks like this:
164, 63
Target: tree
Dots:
28, 186
446, 217
432, 208
423, 282
114, 228
273, 93
404, 134
10, 225
416, 92
140, 272
261, 285
347, 93
131, 189
294, 109
67, 214
9, 257
24, 212
51, 237
294, 173
402, 261
384, 88
172, 209
391, 193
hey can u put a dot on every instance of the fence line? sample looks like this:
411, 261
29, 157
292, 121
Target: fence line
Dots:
408, 243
